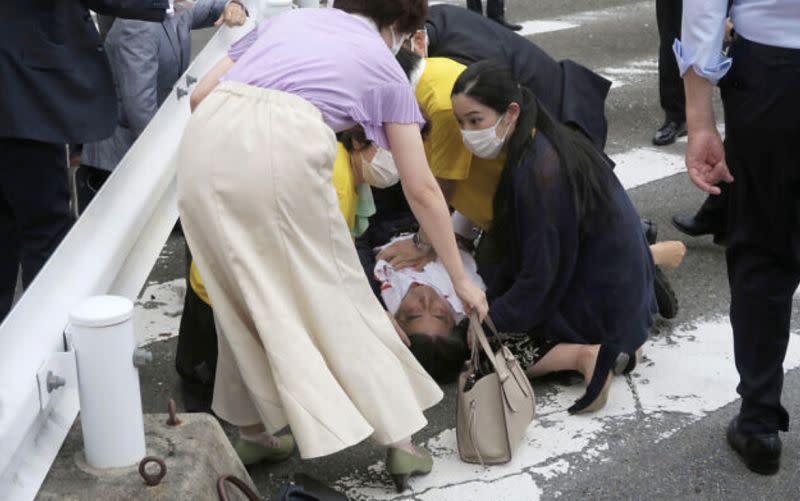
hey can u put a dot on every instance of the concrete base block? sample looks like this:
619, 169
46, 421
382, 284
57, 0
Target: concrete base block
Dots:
196, 454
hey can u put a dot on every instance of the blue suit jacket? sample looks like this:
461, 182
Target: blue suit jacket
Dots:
55, 81
146, 59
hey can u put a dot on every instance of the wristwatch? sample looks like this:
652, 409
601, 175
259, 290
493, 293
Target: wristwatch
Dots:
420, 244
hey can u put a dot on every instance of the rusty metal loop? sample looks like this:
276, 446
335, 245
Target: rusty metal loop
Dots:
152, 479
173, 420
238, 482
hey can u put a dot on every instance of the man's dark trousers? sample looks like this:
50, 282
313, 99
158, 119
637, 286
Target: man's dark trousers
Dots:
714, 211
670, 83
762, 105
34, 210
495, 9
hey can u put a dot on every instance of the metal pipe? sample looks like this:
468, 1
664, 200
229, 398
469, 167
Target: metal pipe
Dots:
102, 334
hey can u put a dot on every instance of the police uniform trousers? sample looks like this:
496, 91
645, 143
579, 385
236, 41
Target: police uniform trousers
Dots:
302, 339
670, 83
762, 126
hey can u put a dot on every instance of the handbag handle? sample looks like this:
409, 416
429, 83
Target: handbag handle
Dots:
478, 334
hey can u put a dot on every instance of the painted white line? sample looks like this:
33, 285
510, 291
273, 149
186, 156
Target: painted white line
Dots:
688, 373
559, 23
535, 27
631, 73
644, 165
158, 311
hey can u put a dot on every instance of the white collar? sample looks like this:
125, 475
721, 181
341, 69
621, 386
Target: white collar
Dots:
416, 73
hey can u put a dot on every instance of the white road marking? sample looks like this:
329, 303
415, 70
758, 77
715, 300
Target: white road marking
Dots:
633, 72
688, 373
645, 165
158, 311
535, 27
559, 23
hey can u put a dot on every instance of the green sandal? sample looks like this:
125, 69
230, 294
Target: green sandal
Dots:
252, 452
402, 465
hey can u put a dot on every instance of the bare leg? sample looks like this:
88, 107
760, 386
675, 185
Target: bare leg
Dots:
407, 446
258, 434
567, 357
669, 253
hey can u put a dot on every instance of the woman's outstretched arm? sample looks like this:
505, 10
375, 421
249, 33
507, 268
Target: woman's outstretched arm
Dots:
427, 203
209, 81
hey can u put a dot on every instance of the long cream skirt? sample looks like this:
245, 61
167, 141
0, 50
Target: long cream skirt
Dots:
302, 339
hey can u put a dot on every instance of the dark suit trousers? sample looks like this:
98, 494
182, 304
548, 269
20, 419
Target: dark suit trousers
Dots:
34, 210
715, 210
494, 8
670, 84
762, 129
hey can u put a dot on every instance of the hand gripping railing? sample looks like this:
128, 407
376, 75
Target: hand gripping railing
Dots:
110, 250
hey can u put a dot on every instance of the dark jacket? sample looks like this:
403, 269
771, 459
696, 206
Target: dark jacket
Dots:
574, 287
570, 92
55, 80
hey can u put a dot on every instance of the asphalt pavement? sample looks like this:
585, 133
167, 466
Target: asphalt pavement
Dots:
662, 434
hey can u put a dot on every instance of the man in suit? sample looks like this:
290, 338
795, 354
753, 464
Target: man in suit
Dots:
570, 92
670, 84
57, 89
146, 61
495, 10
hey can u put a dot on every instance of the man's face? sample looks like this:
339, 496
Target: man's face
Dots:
424, 311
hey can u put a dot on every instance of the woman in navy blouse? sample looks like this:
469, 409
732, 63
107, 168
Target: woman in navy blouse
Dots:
565, 262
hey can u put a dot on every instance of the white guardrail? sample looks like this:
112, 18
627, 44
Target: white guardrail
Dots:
110, 250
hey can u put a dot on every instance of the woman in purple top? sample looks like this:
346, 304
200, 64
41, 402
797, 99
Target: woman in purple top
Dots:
303, 341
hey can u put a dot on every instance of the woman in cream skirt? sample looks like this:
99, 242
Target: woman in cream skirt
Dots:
302, 340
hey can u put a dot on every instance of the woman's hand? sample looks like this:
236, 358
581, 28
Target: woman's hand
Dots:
233, 15
400, 332
404, 254
472, 297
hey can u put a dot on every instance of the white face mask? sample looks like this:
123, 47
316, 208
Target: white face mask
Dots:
381, 171
397, 41
484, 143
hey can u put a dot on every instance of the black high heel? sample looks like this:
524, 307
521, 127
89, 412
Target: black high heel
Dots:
609, 361
626, 362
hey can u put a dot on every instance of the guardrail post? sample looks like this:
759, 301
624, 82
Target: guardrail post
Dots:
101, 331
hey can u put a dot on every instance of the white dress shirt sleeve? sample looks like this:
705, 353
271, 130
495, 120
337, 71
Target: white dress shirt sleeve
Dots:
702, 31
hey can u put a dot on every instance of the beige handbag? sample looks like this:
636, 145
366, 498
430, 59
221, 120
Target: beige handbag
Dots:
494, 410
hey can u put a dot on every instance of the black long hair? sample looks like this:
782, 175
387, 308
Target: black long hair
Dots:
493, 84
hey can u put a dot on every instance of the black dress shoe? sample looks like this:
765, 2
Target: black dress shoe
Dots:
692, 226
650, 230
761, 452
668, 132
666, 298
511, 26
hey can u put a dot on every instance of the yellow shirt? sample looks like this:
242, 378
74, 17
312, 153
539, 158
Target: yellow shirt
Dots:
342, 179
447, 156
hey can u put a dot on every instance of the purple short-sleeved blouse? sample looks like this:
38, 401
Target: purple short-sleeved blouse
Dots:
334, 60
